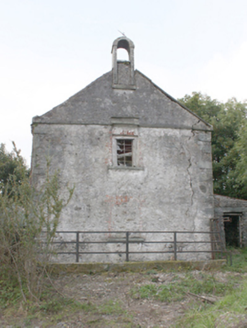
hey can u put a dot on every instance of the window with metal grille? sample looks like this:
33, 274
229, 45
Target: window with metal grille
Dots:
124, 152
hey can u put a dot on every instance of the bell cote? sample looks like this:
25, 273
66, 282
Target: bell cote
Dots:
123, 71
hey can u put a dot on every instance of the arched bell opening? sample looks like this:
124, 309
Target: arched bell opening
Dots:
122, 55
123, 64
123, 50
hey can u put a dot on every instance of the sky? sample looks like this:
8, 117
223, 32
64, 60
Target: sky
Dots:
51, 49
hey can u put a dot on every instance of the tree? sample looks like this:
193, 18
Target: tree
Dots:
11, 163
241, 162
228, 120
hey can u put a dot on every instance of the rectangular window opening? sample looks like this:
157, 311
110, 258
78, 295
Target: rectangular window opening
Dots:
124, 152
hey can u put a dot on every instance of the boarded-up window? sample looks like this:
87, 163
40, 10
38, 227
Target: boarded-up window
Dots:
124, 152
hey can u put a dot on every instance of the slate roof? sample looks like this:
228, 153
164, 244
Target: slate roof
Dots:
98, 102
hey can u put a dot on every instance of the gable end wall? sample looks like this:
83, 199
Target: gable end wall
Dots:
171, 189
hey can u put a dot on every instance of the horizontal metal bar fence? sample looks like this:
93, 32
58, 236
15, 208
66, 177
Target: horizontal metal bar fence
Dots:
136, 231
135, 242
126, 241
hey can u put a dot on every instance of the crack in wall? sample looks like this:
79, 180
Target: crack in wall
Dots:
190, 177
194, 125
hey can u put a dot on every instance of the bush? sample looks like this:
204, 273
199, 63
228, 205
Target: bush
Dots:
28, 218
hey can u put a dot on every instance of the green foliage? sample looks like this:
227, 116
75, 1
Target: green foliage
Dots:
229, 149
24, 214
11, 164
176, 291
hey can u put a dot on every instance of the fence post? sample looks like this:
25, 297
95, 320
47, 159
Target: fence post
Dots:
175, 246
127, 246
77, 246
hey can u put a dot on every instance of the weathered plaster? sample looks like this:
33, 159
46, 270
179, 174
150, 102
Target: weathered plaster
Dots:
170, 192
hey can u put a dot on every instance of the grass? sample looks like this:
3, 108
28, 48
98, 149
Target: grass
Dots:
239, 263
206, 316
110, 307
176, 290
54, 308
111, 314
50, 301
230, 308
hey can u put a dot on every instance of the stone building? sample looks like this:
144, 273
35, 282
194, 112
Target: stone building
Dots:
231, 217
139, 160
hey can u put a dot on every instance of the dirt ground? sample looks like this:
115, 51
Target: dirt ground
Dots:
140, 312
109, 302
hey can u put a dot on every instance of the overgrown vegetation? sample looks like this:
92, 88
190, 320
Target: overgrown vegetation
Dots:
11, 164
25, 214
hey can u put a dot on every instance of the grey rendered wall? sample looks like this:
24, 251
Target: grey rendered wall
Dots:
170, 190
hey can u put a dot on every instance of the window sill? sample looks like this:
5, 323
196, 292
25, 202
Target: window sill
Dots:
126, 168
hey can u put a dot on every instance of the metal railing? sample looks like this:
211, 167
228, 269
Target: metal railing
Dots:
175, 242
